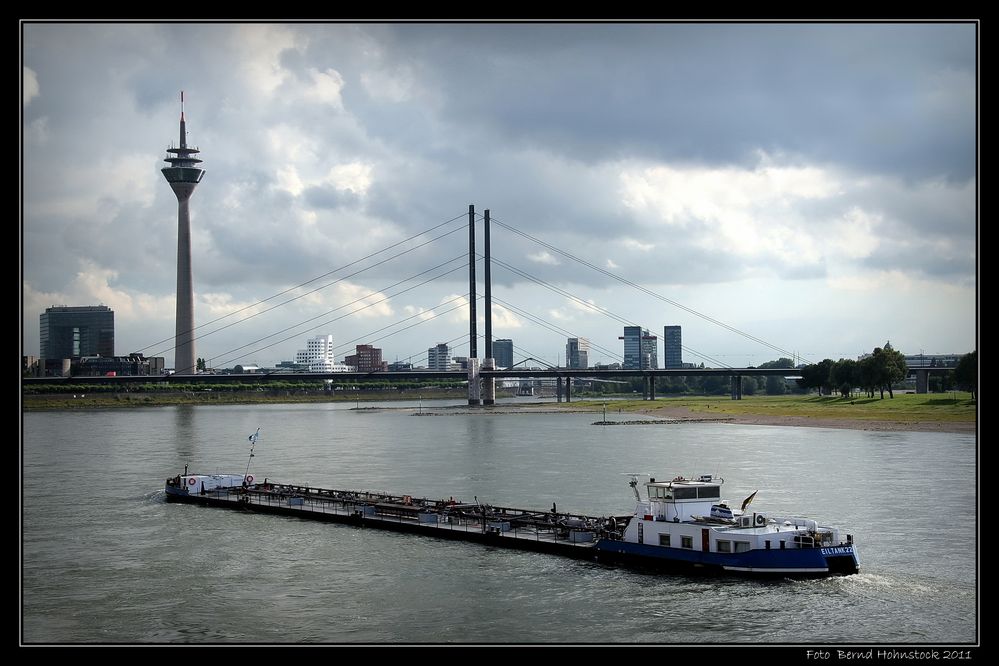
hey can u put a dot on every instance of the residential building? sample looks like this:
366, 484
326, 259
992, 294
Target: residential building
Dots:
367, 358
439, 357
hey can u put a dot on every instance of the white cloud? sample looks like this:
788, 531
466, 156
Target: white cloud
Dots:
388, 86
289, 180
352, 176
326, 87
30, 89
259, 48
873, 281
639, 246
93, 285
291, 145
459, 314
347, 297
371, 305
421, 313
543, 257
83, 191
855, 235
753, 213
218, 304
560, 314
610, 264
504, 319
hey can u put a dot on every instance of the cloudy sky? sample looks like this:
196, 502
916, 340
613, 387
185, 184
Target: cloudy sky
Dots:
813, 186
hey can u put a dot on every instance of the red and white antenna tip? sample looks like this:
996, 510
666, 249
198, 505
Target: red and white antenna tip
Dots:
181, 104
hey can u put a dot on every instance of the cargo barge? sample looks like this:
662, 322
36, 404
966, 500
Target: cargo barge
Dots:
683, 524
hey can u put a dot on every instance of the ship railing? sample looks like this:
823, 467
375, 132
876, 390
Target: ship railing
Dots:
804, 541
521, 525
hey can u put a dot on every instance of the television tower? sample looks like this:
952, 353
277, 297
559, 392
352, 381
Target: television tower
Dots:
184, 174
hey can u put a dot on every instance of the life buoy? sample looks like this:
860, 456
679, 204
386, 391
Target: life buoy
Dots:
249, 478
192, 481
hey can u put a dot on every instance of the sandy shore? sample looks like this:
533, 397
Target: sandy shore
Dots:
681, 413
673, 414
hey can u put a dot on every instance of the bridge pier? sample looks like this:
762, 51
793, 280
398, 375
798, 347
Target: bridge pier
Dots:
568, 389
489, 383
474, 390
558, 389
737, 387
652, 387
922, 381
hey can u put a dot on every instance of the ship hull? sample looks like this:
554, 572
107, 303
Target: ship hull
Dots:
803, 562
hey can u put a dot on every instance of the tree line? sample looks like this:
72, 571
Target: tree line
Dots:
879, 371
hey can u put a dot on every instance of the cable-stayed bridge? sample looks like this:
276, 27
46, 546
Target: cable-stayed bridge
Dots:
482, 372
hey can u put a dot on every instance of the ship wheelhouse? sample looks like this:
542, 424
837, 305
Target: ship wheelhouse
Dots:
682, 499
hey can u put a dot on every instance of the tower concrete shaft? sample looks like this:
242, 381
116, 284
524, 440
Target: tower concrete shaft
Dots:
184, 174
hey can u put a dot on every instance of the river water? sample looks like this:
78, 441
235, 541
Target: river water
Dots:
106, 560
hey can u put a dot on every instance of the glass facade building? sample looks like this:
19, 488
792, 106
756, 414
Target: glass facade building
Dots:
71, 332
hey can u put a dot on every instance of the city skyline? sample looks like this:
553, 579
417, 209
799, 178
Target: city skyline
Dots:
768, 178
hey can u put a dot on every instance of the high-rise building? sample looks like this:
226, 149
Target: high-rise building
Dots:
439, 357
367, 359
672, 347
68, 332
184, 174
639, 349
577, 352
318, 356
503, 352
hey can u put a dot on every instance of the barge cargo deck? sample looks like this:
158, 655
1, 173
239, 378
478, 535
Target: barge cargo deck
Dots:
549, 531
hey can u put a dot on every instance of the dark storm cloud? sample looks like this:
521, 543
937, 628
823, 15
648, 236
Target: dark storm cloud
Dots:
897, 98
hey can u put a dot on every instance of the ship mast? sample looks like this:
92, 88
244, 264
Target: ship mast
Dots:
253, 442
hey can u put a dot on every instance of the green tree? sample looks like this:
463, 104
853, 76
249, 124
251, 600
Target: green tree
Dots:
201, 365
889, 368
817, 375
714, 385
845, 375
966, 373
867, 376
774, 384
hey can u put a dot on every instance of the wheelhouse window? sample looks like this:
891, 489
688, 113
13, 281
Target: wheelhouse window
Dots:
724, 546
687, 542
685, 493
663, 539
708, 492
741, 546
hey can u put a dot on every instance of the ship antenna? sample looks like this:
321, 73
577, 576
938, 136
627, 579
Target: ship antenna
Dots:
634, 483
253, 442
